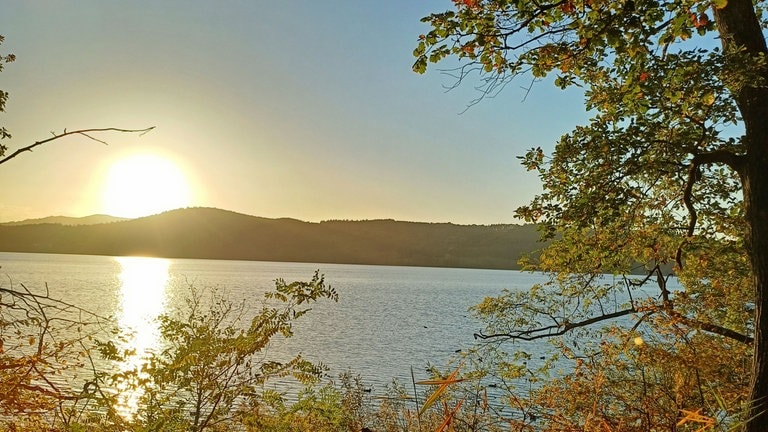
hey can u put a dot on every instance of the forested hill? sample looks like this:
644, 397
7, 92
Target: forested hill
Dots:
65, 220
219, 234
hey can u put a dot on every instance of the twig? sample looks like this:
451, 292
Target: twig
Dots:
416, 398
84, 132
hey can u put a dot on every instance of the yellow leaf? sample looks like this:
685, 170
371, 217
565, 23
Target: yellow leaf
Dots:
440, 390
696, 417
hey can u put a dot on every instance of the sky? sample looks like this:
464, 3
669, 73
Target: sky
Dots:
300, 109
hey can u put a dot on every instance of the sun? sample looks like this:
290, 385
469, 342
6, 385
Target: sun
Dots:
143, 185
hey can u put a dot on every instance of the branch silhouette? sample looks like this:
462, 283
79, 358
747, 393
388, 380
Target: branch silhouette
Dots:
84, 132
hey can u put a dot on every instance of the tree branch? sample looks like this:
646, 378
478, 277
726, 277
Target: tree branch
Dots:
545, 332
84, 132
734, 161
694, 174
711, 328
666, 306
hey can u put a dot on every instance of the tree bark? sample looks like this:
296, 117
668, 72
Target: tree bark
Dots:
756, 205
739, 28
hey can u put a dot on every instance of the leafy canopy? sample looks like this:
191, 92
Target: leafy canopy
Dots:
651, 184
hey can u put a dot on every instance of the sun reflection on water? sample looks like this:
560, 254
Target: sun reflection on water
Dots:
143, 287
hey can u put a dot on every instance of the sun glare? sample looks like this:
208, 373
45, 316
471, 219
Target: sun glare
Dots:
144, 184
143, 286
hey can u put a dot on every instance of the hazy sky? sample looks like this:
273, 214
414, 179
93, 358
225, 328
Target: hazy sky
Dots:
304, 109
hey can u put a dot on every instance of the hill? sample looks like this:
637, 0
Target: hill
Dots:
66, 220
218, 234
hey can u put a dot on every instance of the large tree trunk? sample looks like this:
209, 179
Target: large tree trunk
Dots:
756, 201
755, 180
739, 28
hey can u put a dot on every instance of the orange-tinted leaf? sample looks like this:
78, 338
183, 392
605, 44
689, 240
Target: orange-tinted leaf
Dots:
450, 416
439, 382
440, 390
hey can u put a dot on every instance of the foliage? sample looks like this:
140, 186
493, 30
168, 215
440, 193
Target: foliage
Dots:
332, 407
4, 134
45, 374
446, 402
459, 403
662, 178
207, 376
214, 360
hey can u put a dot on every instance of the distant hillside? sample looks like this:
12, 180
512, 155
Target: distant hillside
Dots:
66, 220
219, 234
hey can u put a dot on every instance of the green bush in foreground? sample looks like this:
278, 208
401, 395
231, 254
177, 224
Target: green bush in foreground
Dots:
211, 364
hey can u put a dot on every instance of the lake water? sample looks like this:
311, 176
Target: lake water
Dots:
387, 320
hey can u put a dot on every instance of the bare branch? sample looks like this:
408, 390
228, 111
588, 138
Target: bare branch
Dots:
50, 302
84, 132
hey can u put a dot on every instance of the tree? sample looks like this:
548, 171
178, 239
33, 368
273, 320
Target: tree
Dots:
671, 172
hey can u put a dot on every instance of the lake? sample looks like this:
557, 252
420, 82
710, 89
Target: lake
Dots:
387, 320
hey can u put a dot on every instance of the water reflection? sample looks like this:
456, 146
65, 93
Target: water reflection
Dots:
143, 286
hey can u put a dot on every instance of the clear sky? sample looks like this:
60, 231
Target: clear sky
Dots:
304, 109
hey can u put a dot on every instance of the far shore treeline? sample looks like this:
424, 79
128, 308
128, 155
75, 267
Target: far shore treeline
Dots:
210, 233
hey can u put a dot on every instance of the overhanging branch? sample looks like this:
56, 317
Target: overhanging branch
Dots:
84, 132
554, 330
711, 328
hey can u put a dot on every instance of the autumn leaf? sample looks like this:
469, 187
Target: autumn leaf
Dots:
471, 4
701, 20
567, 7
443, 385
